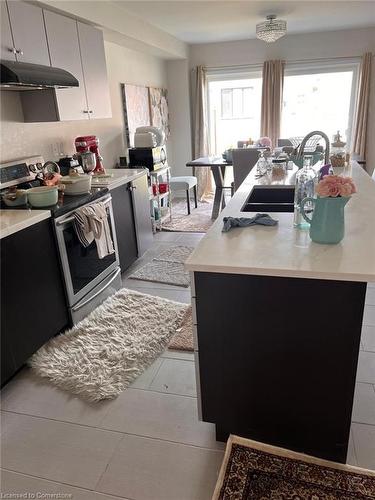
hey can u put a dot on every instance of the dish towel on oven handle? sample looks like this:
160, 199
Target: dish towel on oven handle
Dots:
91, 223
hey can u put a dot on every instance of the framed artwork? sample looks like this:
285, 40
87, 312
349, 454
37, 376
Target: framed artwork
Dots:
159, 109
136, 105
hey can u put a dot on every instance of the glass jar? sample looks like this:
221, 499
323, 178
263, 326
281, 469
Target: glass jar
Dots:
305, 187
261, 164
279, 167
338, 153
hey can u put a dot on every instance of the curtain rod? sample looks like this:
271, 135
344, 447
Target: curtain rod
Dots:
237, 66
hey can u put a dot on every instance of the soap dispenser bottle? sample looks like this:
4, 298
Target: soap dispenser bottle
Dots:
305, 186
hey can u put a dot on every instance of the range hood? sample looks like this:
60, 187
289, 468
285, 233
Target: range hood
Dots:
25, 76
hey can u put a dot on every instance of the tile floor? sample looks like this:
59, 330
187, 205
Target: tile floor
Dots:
148, 443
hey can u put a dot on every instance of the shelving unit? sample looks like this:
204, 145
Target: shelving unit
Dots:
160, 203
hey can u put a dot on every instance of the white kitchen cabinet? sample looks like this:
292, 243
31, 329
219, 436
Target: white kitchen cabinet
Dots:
45, 37
7, 48
29, 35
62, 35
94, 71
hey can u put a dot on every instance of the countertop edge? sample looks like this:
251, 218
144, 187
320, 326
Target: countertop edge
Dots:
35, 217
115, 183
280, 273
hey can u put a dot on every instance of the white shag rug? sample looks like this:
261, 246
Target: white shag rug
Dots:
100, 356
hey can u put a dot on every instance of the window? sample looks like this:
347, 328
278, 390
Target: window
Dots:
236, 103
234, 109
318, 99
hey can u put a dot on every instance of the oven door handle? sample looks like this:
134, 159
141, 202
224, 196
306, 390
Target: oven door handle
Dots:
71, 219
82, 304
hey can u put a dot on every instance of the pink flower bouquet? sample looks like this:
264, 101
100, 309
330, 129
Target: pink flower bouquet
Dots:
334, 186
265, 142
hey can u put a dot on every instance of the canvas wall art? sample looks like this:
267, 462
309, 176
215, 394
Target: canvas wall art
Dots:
159, 109
136, 109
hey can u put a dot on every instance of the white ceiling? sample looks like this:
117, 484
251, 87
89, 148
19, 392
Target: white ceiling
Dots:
213, 21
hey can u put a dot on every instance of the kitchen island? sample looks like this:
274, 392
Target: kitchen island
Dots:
277, 324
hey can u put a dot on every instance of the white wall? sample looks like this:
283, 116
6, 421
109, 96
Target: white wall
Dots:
345, 43
179, 152
20, 139
328, 44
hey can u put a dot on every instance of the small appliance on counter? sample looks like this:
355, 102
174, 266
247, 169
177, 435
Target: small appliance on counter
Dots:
151, 158
87, 147
149, 151
67, 163
149, 137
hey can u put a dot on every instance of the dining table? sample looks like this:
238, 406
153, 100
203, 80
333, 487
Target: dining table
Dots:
218, 166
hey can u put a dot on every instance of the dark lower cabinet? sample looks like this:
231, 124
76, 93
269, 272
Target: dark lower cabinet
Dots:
33, 305
8, 365
125, 227
131, 211
275, 364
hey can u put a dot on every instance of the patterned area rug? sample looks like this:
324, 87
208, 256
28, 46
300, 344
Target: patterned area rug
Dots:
183, 338
167, 268
104, 353
199, 221
158, 271
175, 254
255, 471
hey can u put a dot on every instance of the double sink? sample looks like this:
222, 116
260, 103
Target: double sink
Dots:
270, 199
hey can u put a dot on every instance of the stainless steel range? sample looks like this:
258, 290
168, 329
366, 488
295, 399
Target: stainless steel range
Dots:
88, 279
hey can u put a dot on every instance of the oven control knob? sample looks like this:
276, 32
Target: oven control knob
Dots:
33, 168
39, 166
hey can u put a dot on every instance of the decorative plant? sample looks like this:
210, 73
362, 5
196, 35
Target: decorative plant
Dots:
334, 186
265, 142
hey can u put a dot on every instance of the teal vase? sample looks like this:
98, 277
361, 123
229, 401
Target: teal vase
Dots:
327, 224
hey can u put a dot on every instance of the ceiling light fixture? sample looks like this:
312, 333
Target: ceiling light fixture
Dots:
271, 30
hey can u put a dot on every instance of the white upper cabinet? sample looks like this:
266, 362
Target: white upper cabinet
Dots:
28, 31
94, 71
7, 48
64, 50
30, 34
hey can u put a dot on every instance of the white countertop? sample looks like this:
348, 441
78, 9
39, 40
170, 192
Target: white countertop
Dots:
283, 250
12, 221
119, 177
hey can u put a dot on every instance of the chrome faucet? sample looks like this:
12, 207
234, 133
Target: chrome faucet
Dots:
311, 134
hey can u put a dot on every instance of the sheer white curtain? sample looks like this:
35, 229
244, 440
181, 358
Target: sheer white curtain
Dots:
272, 97
200, 122
362, 107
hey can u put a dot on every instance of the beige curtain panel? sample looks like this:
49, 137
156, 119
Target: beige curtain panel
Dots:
201, 148
272, 97
362, 106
